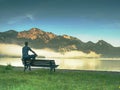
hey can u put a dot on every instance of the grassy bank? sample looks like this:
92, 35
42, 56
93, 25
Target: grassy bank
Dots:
42, 79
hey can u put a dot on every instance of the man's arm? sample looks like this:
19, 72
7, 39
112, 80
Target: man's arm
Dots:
32, 51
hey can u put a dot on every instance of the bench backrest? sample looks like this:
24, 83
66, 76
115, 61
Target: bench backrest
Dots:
43, 63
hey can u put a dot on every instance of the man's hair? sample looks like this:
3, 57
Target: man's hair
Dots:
26, 43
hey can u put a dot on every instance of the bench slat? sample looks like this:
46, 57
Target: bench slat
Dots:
44, 63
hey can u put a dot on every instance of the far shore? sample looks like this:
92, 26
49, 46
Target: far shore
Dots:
101, 58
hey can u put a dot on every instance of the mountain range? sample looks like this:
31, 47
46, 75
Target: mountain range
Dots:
40, 39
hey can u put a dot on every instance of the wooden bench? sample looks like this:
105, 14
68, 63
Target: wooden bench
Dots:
43, 63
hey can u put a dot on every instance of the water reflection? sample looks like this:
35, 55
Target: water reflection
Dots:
78, 64
110, 65
83, 64
12, 61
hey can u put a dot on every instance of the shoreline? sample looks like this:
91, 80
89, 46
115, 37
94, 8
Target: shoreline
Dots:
64, 70
67, 70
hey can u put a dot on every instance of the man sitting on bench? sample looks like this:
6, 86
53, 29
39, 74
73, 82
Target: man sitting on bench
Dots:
26, 58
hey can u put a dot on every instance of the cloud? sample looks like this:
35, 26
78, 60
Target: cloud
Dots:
19, 19
30, 16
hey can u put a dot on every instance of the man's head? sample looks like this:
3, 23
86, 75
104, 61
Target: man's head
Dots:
26, 43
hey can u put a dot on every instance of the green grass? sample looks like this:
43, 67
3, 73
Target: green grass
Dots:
42, 79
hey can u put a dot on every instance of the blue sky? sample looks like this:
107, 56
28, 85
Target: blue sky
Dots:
88, 20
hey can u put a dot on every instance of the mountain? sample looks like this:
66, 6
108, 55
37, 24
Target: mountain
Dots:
40, 39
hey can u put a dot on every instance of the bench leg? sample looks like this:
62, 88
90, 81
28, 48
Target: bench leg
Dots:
25, 67
52, 69
28, 66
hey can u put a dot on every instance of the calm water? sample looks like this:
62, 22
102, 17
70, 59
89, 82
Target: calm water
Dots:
78, 64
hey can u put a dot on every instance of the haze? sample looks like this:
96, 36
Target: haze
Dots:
16, 50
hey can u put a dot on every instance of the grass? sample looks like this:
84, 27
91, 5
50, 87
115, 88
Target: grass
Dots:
42, 79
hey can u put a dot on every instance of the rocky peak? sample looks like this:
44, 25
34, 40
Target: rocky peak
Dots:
103, 43
36, 33
69, 37
66, 36
10, 32
90, 43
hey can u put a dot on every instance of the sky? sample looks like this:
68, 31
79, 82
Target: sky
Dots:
88, 20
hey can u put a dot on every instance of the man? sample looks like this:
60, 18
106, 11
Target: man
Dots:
26, 58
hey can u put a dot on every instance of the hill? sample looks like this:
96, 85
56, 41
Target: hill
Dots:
40, 39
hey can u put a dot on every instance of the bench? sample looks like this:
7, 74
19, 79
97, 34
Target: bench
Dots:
42, 63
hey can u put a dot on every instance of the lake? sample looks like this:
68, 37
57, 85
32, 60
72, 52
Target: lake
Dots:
98, 64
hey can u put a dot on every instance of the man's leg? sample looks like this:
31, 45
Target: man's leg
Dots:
25, 65
32, 57
29, 62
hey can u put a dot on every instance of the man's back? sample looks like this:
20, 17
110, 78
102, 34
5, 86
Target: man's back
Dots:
25, 51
